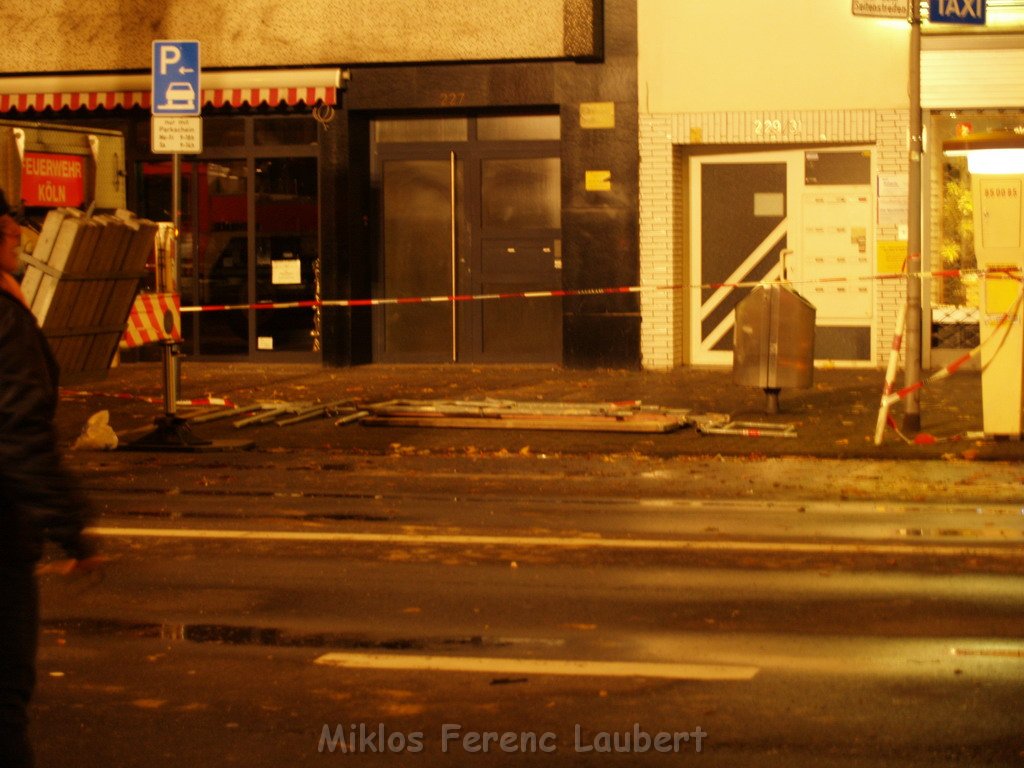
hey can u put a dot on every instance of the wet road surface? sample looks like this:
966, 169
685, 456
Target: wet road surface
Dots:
557, 614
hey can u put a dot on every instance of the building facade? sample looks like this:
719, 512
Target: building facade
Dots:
373, 152
634, 165
794, 146
780, 152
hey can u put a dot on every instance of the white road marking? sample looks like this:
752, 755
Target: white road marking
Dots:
561, 542
1008, 653
573, 667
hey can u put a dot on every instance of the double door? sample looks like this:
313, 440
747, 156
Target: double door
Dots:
469, 207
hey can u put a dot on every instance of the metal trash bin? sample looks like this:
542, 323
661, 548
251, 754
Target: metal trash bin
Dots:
773, 341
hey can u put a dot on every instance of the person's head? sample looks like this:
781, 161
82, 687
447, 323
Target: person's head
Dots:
10, 237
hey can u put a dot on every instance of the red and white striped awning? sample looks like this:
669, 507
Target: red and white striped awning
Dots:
230, 88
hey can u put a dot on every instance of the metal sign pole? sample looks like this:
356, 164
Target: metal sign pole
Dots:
912, 369
171, 359
176, 129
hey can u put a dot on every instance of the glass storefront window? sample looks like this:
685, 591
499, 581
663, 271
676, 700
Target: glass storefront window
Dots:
249, 234
286, 251
271, 131
223, 131
955, 298
222, 261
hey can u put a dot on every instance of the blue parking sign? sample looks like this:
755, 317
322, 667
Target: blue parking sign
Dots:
176, 78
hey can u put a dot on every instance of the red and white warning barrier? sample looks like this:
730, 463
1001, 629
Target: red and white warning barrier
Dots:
154, 317
889, 397
890, 373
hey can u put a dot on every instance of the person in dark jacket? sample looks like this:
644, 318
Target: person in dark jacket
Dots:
39, 500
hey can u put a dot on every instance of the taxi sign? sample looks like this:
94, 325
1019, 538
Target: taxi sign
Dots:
176, 89
957, 11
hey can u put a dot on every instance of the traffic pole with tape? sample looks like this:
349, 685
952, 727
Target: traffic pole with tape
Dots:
1004, 324
890, 373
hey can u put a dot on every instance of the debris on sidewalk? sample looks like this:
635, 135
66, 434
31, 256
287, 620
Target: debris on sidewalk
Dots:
281, 413
627, 416
510, 414
721, 424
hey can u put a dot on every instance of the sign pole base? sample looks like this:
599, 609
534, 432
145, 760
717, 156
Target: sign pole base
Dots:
172, 433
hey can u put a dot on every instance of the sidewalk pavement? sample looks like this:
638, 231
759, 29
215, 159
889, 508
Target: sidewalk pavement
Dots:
835, 418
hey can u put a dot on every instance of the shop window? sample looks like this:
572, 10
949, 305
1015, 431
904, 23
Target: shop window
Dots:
223, 132
221, 268
284, 130
955, 297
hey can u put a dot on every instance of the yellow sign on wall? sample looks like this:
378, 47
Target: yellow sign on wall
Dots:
599, 181
597, 114
892, 255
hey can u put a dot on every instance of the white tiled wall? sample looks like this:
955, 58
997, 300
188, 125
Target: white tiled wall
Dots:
664, 144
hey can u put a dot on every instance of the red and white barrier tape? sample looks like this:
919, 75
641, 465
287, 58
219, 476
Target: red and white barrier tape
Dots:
569, 292
197, 402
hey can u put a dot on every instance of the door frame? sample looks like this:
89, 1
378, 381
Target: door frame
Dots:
700, 352
797, 273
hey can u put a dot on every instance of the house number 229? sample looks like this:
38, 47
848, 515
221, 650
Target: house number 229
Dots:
777, 127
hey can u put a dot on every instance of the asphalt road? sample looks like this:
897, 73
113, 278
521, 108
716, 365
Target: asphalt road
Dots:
311, 610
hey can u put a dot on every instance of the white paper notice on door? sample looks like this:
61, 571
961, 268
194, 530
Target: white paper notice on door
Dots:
286, 271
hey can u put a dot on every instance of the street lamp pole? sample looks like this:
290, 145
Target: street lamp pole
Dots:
912, 368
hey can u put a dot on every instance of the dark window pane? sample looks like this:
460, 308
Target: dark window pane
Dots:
417, 255
222, 264
519, 128
522, 193
421, 129
285, 130
822, 167
286, 251
223, 132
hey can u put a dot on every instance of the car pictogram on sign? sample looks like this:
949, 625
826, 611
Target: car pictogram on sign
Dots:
179, 95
